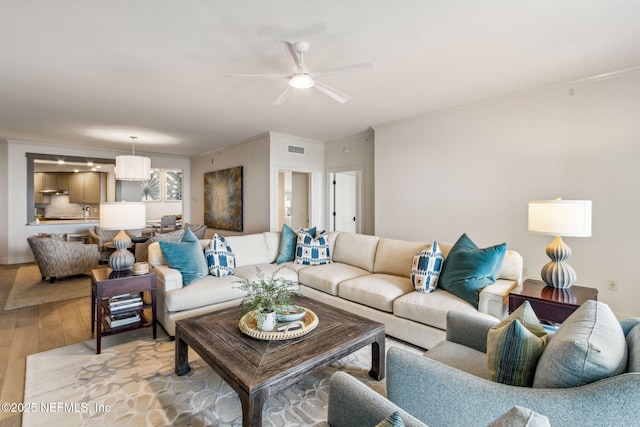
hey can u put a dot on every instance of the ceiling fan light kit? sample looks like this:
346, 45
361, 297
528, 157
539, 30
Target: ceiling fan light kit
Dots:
301, 81
301, 78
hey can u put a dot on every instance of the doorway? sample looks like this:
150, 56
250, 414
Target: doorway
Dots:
344, 199
293, 199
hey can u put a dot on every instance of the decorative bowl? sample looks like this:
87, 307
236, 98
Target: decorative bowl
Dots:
290, 313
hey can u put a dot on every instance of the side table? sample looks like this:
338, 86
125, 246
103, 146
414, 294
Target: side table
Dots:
550, 304
107, 283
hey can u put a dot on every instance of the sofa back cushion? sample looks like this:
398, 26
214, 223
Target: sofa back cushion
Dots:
395, 256
358, 250
633, 346
511, 268
261, 248
589, 346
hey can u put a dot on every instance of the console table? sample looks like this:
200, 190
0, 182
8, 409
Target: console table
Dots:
550, 304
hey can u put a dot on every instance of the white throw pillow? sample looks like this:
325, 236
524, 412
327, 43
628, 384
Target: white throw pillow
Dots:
310, 251
220, 258
426, 268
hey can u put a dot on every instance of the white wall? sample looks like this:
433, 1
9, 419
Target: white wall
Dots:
311, 162
355, 152
14, 223
474, 170
253, 155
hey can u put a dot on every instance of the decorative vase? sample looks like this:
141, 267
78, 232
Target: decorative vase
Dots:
266, 320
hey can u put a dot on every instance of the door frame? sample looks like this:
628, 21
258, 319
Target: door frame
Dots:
358, 170
275, 204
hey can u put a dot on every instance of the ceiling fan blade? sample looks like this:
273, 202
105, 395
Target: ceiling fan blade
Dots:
341, 97
262, 76
365, 66
292, 55
283, 96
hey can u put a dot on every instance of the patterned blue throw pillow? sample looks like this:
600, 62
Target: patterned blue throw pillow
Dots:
310, 251
426, 267
220, 258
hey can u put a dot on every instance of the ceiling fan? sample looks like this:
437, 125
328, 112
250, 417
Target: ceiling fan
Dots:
301, 78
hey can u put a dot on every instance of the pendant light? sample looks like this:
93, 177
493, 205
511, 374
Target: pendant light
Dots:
133, 168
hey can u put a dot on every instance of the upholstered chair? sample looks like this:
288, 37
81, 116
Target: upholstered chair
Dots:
56, 258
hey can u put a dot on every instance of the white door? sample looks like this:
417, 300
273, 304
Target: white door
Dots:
345, 201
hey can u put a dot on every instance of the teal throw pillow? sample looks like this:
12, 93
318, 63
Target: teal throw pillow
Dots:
186, 256
288, 240
393, 420
468, 269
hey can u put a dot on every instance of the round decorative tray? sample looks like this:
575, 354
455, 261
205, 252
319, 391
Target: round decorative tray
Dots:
248, 326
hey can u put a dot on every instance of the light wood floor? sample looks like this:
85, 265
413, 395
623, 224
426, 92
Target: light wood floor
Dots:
29, 330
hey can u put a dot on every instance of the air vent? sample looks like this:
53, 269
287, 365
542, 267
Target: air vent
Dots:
295, 149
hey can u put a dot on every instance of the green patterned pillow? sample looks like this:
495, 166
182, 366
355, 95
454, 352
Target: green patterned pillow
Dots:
514, 347
392, 420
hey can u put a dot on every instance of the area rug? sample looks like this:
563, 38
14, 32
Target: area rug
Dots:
29, 289
133, 383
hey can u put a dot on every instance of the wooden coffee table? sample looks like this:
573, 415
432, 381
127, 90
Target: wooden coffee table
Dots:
255, 368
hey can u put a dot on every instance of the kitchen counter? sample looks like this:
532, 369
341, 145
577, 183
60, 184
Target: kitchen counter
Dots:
90, 222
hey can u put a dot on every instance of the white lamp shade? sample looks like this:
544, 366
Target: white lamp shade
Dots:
122, 215
132, 168
569, 218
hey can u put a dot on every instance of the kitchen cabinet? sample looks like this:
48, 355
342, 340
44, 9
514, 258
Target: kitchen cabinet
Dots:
55, 181
84, 187
38, 186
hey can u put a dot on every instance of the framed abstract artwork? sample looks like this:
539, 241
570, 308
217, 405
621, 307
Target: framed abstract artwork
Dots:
223, 199
151, 189
172, 185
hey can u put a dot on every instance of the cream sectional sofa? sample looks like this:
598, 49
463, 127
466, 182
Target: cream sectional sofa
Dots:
368, 275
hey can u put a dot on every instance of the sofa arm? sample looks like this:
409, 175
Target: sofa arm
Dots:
351, 403
458, 398
494, 298
468, 330
170, 278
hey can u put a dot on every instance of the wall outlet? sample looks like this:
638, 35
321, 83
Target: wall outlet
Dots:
612, 285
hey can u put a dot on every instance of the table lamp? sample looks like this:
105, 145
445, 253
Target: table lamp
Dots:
122, 216
569, 218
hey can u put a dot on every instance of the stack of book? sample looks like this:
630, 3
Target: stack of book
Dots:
125, 302
116, 320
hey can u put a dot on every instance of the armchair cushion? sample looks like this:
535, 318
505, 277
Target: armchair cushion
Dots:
468, 269
589, 346
514, 347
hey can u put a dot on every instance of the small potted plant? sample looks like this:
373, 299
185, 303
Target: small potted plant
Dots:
265, 295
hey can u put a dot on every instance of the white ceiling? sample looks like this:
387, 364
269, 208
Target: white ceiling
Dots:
94, 72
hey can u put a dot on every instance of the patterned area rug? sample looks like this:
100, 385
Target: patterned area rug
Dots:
29, 289
132, 383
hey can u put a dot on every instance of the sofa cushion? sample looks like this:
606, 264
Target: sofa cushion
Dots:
521, 417
514, 347
249, 272
312, 251
467, 269
431, 309
358, 250
327, 277
207, 291
588, 346
375, 290
426, 267
251, 249
395, 256
288, 241
393, 420
186, 256
219, 256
